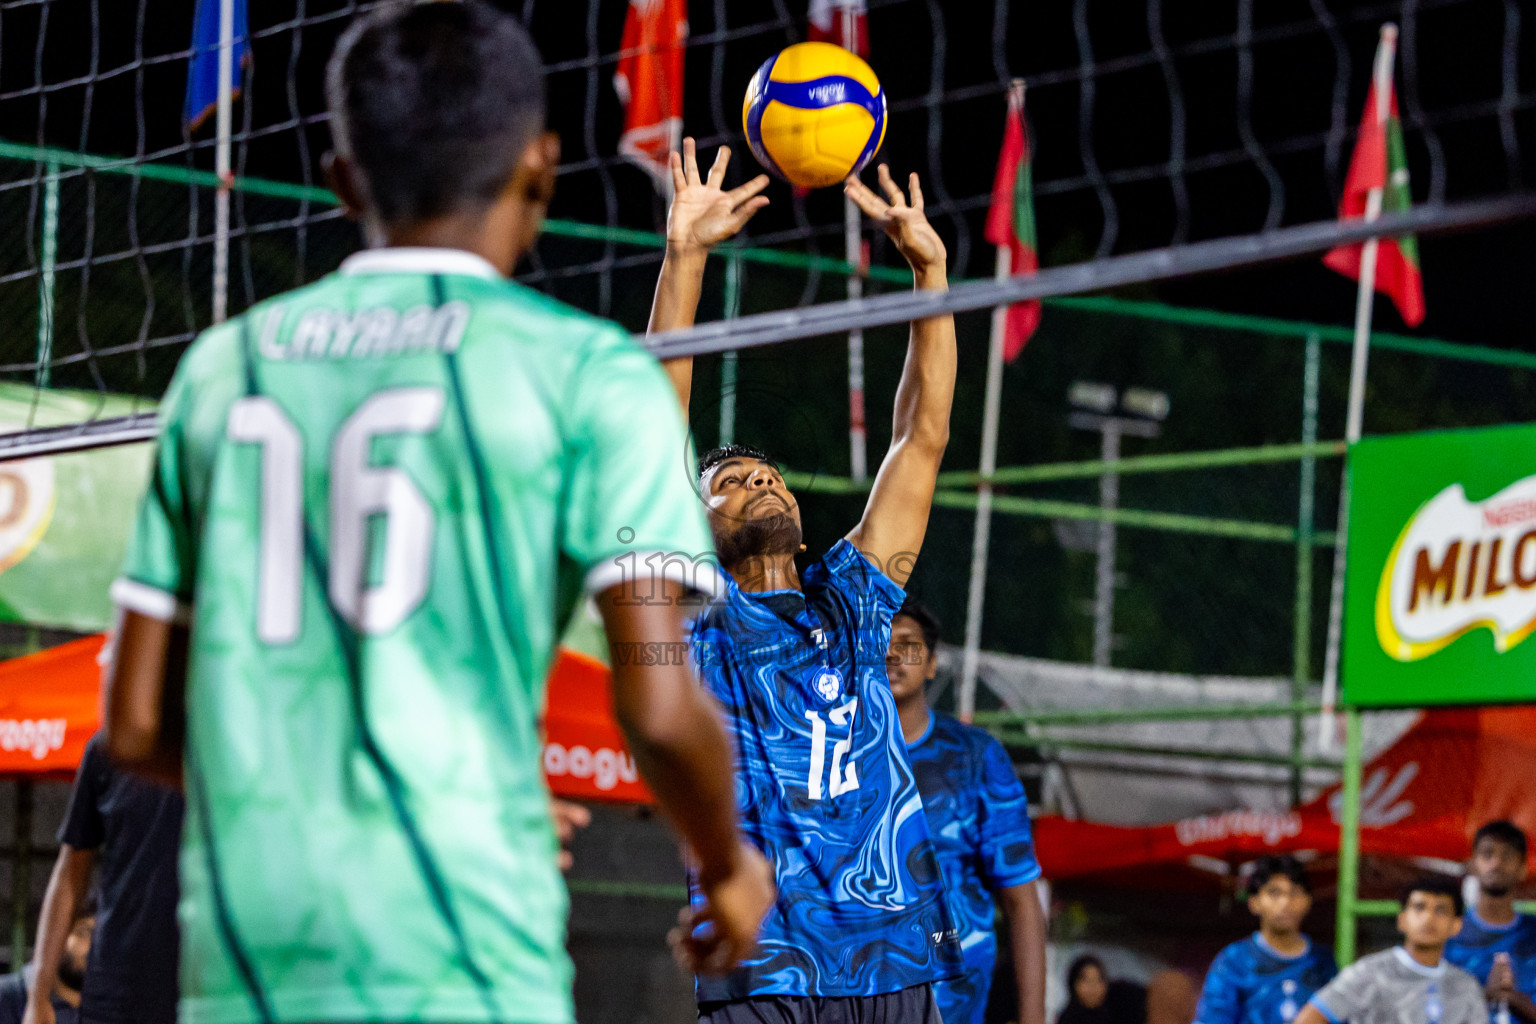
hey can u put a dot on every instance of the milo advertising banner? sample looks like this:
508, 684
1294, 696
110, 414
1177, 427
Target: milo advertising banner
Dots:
1441, 578
64, 519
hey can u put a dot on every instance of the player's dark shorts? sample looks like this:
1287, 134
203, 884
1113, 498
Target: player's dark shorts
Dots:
914, 1005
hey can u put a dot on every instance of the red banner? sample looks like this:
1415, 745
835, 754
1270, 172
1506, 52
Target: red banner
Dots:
1422, 797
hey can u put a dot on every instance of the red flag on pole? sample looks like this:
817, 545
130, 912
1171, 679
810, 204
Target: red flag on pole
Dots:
841, 22
649, 81
1011, 220
1381, 162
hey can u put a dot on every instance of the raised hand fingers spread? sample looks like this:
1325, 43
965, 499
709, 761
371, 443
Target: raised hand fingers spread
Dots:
744, 212
741, 193
717, 169
679, 179
690, 161
917, 192
889, 185
873, 206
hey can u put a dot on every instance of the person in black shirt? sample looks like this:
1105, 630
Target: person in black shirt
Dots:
131, 829
67, 984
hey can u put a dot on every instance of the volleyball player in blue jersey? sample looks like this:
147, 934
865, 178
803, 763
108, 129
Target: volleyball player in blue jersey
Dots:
860, 929
979, 818
1497, 944
1269, 976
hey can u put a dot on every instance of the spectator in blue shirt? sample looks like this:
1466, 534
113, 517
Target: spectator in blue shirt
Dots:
1269, 976
979, 820
1496, 945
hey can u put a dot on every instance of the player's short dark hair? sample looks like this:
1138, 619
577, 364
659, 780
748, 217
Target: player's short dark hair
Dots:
434, 104
1273, 866
1501, 831
918, 612
711, 459
1436, 885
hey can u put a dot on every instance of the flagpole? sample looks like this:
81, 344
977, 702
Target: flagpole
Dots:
981, 537
1381, 81
221, 160
853, 253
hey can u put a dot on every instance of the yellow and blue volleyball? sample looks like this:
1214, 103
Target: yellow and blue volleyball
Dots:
814, 114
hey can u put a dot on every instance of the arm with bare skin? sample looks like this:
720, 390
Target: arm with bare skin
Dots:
701, 217
675, 732
67, 887
896, 517
144, 691
1026, 943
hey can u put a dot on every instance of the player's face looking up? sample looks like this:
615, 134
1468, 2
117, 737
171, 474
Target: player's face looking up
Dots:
751, 512
437, 112
909, 663
1280, 905
1498, 867
1428, 920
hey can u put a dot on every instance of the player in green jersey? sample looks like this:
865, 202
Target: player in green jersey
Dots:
374, 504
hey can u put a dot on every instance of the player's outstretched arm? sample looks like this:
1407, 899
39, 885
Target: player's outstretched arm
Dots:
701, 217
674, 731
67, 887
896, 517
145, 697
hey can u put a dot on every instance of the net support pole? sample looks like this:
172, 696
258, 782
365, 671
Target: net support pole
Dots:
1382, 82
1301, 653
48, 270
222, 165
857, 441
729, 363
1349, 840
982, 537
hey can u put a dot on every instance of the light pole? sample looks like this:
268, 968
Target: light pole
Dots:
1137, 412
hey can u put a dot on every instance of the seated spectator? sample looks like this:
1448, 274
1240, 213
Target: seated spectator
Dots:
67, 982
1411, 983
1497, 946
1092, 998
1269, 976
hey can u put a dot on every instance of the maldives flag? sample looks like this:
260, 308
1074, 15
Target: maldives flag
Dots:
649, 81
1011, 221
841, 22
1381, 161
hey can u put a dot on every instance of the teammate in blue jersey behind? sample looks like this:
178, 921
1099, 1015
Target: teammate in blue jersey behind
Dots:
979, 818
1496, 945
860, 929
1268, 977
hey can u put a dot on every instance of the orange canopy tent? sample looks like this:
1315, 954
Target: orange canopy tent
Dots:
49, 708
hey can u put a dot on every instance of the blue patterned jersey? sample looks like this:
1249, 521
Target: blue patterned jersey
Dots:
824, 787
1474, 948
979, 819
1251, 983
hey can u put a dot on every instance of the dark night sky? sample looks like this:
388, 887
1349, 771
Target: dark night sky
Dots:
1452, 70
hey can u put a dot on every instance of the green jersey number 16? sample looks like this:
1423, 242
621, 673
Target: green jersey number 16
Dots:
359, 490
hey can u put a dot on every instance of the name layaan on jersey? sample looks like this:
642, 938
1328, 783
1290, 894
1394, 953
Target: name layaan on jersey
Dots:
364, 333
